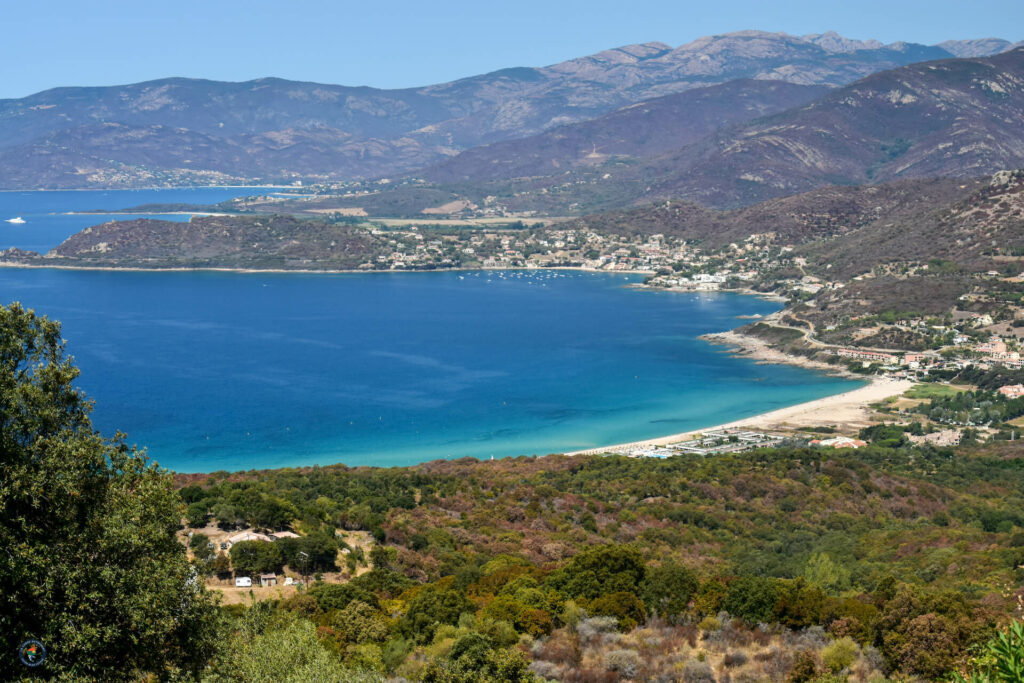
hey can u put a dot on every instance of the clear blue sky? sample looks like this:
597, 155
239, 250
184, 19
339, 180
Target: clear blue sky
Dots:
389, 43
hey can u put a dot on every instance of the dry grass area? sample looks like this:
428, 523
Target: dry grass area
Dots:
450, 207
716, 650
341, 211
357, 539
237, 596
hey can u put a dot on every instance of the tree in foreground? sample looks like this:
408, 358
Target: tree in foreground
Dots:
90, 565
269, 649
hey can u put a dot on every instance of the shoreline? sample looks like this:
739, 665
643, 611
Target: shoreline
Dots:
849, 406
752, 347
840, 409
155, 187
147, 213
846, 407
213, 269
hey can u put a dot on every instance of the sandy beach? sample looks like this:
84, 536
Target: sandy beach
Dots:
850, 409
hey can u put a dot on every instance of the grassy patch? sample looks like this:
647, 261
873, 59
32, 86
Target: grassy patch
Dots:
929, 391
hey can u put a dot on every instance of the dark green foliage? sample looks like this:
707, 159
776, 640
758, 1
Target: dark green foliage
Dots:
334, 596
321, 551
752, 598
386, 582
667, 589
196, 515
431, 607
623, 605
90, 563
255, 557
800, 605
602, 570
475, 659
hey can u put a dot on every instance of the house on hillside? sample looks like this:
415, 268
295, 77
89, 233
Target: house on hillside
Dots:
1012, 390
268, 579
245, 536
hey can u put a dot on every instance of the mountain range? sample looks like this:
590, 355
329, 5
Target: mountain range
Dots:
187, 131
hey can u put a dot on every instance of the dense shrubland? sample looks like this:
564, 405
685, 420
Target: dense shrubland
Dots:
881, 561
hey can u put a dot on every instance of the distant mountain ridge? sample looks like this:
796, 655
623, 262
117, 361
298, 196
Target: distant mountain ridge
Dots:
956, 118
193, 131
645, 129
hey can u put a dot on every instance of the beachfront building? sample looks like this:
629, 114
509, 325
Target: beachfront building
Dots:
869, 356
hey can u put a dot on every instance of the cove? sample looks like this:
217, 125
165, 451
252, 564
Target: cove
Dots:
236, 371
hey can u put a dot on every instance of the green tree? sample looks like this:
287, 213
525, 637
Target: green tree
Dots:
358, 623
668, 589
839, 654
752, 598
337, 596
196, 515
221, 563
474, 659
624, 606
90, 565
255, 557
602, 569
822, 572
432, 607
929, 646
287, 652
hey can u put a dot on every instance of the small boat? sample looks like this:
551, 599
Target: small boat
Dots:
17, 220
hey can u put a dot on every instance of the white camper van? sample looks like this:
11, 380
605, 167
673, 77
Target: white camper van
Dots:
243, 582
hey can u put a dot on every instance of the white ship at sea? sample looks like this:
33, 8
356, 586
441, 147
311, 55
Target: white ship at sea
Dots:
17, 220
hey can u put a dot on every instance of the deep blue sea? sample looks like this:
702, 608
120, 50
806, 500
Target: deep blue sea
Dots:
225, 371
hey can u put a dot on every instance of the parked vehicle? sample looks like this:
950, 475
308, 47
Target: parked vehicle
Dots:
243, 582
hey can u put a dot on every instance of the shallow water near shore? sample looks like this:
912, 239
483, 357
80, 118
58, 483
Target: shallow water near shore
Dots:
233, 371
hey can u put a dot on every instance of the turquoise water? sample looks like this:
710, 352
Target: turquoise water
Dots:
222, 371
225, 371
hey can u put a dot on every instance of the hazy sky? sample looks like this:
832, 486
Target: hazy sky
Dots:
387, 43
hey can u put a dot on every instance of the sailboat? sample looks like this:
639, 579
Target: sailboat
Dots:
17, 220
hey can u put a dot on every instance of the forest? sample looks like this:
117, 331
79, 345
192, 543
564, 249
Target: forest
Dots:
889, 562
902, 558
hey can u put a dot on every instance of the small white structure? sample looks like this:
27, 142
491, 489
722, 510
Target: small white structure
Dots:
243, 582
247, 536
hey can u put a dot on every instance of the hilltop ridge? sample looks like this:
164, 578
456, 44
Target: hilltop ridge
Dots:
192, 131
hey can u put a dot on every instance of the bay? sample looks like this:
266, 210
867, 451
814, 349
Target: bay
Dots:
235, 371
231, 371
